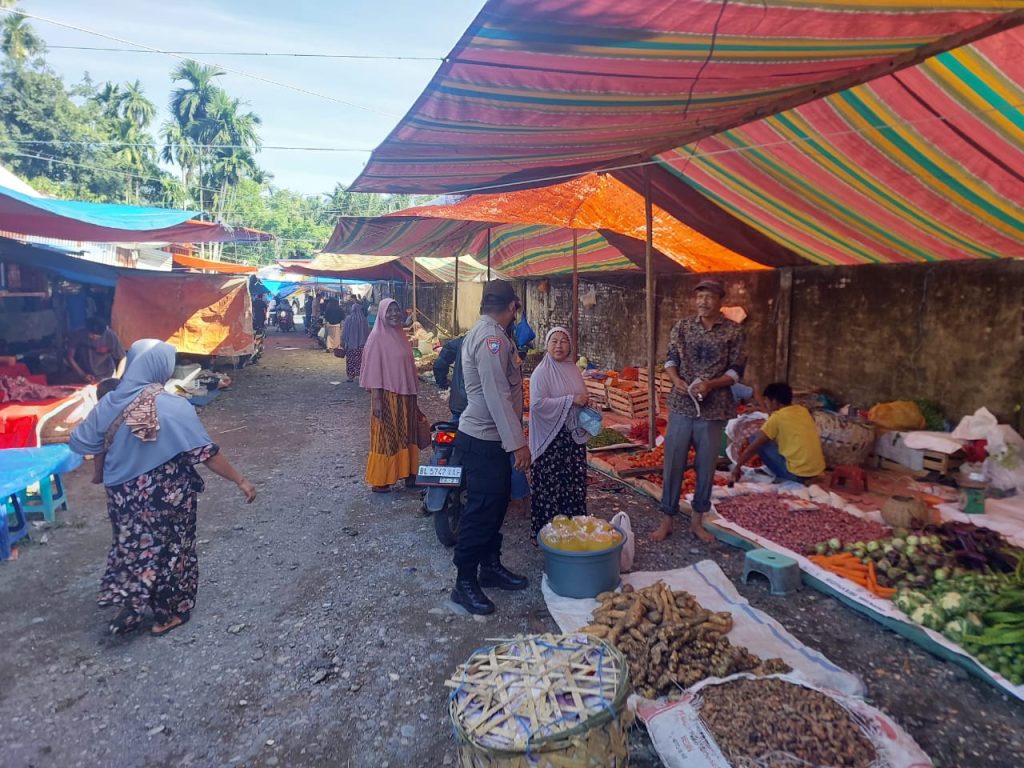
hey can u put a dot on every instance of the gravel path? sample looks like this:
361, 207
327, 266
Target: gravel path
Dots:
322, 634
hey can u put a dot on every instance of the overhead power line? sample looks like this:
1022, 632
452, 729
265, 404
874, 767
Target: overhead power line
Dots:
63, 142
241, 73
279, 54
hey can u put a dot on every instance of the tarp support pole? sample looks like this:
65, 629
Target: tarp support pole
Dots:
455, 300
488, 253
575, 293
652, 342
415, 316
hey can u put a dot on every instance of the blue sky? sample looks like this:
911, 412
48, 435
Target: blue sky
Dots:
385, 88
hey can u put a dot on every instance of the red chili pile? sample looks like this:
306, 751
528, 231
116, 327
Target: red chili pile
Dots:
769, 515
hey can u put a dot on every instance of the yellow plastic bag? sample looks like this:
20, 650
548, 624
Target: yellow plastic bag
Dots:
899, 414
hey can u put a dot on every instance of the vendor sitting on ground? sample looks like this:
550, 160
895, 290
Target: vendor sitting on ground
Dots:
95, 353
788, 443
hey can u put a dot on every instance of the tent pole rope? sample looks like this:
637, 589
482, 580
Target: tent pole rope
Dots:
652, 379
575, 293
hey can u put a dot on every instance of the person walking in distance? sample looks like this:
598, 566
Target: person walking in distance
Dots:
705, 358
490, 428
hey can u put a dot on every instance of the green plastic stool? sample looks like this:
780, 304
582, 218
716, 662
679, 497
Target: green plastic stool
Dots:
47, 500
782, 572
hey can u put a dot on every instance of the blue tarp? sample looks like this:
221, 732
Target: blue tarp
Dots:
130, 217
21, 467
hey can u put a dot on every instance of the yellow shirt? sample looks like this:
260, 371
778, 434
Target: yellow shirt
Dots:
793, 430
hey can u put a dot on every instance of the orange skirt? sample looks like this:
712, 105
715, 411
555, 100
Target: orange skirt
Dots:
394, 454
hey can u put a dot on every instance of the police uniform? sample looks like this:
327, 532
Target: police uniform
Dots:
490, 428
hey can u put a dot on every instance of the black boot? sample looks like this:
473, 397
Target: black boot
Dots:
494, 574
468, 594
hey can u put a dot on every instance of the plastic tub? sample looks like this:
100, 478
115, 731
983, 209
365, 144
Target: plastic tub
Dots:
582, 574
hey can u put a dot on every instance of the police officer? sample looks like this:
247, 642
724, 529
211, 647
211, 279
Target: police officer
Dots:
491, 428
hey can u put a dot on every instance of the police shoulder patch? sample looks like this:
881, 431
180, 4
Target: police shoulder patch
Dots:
493, 344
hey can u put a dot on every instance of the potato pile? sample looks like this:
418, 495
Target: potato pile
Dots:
670, 640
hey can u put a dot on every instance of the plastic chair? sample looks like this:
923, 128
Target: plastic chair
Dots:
8, 535
782, 572
47, 500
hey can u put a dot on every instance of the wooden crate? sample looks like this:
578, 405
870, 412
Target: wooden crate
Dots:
943, 463
633, 404
664, 383
598, 392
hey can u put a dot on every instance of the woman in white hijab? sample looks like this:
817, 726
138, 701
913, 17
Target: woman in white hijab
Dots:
557, 442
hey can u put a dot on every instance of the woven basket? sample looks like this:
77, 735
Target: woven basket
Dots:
542, 701
843, 441
905, 512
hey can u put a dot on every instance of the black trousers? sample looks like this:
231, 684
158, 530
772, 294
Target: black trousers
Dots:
488, 474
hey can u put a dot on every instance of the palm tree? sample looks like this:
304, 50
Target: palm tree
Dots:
109, 99
20, 41
189, 104
135, 107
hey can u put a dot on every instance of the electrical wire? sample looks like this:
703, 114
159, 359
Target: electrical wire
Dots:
64, 142
241, 73
355, 56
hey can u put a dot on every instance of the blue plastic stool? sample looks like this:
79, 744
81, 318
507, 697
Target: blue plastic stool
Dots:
47, 501
782, 572
8, 535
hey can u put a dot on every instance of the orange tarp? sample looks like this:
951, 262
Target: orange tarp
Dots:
198, 314
598, 202
194, 262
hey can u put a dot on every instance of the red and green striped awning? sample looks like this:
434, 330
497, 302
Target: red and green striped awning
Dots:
544, 89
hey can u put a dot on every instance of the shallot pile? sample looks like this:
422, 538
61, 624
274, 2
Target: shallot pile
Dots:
795, 523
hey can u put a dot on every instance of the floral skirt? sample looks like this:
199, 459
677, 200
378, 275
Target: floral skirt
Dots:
559, 481
152, 560
353, 362
394, 453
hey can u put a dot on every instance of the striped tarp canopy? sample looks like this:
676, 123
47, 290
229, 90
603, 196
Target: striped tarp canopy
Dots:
443, 269
924, 164
538, 90
517, 250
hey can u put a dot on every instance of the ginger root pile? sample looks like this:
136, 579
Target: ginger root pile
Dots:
670, 640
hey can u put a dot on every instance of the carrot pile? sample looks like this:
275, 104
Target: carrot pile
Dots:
847, 565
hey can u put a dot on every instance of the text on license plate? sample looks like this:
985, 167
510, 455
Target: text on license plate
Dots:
443, 475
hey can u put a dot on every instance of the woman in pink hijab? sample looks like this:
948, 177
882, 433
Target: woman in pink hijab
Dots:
557, 443
389, 374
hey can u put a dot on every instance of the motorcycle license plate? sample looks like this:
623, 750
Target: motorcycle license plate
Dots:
443, 476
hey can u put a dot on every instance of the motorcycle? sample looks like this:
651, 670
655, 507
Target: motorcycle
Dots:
446, 487
285, 321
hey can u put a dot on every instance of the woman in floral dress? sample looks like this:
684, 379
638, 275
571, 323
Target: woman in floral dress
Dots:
153, 440
557, 442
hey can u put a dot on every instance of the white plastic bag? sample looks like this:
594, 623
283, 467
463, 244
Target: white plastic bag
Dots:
976, 426
628, 551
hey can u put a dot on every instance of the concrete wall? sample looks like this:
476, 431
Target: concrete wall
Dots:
951, 332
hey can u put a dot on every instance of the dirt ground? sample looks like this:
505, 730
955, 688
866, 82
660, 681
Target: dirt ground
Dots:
323, 635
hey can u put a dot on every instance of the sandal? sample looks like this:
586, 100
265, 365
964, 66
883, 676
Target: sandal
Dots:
126, 621
182, 621
381, 488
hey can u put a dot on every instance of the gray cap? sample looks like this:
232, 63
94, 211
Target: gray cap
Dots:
710, 284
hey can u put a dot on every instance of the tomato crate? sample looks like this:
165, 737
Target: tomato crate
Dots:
598, 391
663, 385
632, 403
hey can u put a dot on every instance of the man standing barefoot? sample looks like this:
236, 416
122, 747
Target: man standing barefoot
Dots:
705, 358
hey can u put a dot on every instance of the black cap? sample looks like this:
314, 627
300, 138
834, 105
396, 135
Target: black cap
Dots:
499, 292
710, 284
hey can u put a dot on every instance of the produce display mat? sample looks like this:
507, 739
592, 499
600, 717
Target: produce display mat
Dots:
682, 739
753, 629
860, 599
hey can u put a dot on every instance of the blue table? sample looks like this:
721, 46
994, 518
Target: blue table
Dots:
20, 468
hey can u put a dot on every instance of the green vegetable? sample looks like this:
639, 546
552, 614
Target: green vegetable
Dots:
928, 616
953, 604
955, 629
606, 437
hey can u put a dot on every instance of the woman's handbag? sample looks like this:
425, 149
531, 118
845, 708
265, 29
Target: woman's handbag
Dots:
422, 431
339, 352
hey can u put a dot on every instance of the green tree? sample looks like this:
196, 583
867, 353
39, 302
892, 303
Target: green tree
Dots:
20, 41
135, 107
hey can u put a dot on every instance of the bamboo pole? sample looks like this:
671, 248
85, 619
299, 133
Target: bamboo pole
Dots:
652, 342
455, 300
415, 316
575, 293
488, 253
